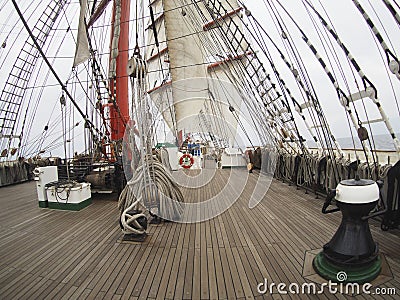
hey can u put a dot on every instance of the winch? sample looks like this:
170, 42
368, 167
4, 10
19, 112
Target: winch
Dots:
352, 249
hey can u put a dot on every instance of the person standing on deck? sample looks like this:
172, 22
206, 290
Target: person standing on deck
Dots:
197, 155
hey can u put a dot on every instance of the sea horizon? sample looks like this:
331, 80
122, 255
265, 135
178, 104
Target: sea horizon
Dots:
382, 142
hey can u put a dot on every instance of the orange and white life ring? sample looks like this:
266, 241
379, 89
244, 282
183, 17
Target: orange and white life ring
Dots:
186, 161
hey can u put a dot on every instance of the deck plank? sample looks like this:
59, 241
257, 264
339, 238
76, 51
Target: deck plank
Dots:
173, 269
51, 254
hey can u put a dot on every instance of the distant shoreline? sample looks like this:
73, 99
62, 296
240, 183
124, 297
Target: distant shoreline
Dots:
383, 142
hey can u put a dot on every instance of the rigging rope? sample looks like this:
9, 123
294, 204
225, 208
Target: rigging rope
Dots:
154, 192
393, 11
370, 89
52, 69
151, 186
392, 60
240, 67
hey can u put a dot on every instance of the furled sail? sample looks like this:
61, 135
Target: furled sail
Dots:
82, 52
193, 83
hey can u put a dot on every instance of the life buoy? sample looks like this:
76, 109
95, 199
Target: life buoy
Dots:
186, 161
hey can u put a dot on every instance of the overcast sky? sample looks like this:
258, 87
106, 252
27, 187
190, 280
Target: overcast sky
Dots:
346, 19
355, 34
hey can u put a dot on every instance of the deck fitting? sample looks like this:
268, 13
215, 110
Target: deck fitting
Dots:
311, 275
332, 272
134, 238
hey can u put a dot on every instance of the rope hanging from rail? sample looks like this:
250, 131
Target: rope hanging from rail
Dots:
153, 194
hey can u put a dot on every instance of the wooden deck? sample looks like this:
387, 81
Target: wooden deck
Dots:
52, 254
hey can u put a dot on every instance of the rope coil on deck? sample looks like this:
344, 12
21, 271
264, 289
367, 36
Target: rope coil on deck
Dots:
62, 186
151, 188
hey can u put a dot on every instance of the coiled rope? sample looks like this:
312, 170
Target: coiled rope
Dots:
152, 186
60, 187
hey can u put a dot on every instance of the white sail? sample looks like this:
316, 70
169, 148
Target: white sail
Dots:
193, 79
82, 52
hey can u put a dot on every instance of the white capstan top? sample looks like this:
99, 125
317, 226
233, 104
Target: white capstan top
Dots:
357, 191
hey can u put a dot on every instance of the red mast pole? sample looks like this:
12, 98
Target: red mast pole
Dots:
119, 87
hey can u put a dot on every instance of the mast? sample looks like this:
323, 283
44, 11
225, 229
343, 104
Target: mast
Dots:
119, 110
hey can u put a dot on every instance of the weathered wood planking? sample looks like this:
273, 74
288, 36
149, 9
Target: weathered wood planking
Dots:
50, 254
